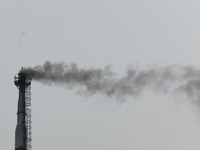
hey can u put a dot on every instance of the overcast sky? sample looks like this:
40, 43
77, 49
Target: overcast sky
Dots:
93, 34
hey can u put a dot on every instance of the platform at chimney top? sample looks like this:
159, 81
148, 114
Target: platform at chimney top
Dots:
20, 79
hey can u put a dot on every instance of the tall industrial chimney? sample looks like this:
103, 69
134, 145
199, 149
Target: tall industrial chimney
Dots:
23, 129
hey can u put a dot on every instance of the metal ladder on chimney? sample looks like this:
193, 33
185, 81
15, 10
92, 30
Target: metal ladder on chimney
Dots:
28, 117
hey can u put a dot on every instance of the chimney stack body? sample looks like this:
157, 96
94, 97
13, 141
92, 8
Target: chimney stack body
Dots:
21, 132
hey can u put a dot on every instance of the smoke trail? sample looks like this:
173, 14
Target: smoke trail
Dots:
105, 81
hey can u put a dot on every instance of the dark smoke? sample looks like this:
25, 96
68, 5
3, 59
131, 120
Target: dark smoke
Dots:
94, 80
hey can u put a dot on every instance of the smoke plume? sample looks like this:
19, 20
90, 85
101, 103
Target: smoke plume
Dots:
94, 80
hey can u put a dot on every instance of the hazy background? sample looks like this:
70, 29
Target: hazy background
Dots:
94, 34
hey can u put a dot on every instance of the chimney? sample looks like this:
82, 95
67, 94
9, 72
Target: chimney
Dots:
23, 83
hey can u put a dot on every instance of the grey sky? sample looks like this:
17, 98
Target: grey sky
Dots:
94, 34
